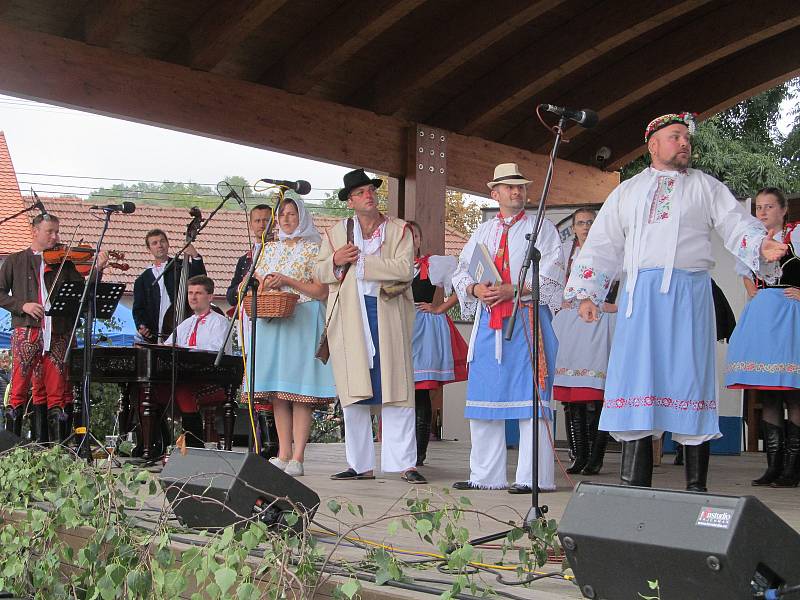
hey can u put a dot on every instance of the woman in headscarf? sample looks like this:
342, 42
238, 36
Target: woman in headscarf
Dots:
287, 375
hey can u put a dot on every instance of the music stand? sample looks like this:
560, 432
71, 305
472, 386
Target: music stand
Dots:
66, 302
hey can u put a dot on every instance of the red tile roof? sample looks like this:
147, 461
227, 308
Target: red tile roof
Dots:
16, 233
221, 243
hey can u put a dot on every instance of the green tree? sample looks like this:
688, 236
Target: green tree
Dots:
744, 148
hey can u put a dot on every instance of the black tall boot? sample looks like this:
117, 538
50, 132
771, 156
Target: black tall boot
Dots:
422, 401
696, 465
580, 437
568, 428
39, 428
678, 454
14, 420
598, 440
637, 462
55, 424
774, 447
790, 476
268, 434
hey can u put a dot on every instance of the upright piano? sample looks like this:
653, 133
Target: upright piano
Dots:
145, 367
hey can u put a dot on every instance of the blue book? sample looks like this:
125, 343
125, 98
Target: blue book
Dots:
482, 268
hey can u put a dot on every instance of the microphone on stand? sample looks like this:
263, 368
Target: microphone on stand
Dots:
125, 207
38, 204
585, 117
300, 186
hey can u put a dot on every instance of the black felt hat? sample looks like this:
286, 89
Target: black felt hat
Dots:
355, 179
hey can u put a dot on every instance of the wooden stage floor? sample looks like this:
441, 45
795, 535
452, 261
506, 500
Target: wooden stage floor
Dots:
448, 462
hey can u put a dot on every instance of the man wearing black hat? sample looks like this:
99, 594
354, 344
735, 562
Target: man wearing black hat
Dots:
368, 263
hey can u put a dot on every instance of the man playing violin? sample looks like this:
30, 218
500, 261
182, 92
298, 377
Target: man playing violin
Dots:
38, 341
151, 302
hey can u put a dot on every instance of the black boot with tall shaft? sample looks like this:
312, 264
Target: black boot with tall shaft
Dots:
580, 437
774, 449
696, 465
14, 420
422, 400
598, 440
790, 475
39, 429
637, 462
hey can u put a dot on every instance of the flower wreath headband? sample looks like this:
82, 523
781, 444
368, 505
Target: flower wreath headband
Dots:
684, 118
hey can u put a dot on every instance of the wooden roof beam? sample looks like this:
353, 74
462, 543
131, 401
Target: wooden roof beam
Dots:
757, 69
105, 20
597, 31
352, 27
461, 38
100, 80
737, 27
216, 33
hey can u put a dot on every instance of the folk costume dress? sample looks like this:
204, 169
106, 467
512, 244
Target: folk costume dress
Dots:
500, 383
285, 365
440, 353
764, 351
369, 335
657, 226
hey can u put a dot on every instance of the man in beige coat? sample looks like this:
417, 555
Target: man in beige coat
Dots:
371, 312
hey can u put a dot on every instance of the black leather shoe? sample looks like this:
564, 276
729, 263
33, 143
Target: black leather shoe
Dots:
413, 476
465, 485
350, 474
519, 488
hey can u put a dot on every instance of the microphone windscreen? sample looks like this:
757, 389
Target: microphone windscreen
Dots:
590, 118
128, 207
303, 187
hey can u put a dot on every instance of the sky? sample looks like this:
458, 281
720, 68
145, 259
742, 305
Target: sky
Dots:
61, 151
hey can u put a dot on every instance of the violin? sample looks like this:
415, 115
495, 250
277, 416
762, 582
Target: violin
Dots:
81, 255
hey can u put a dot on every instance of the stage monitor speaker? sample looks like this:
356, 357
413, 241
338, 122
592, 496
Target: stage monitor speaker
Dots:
210, 489
697, 546
8, 440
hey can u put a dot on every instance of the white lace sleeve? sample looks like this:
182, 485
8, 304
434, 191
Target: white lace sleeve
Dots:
551, 293
462, 280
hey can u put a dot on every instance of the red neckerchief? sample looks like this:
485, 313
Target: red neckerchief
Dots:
501, 261
423, 264
193, 337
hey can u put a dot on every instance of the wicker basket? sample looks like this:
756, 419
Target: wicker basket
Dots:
272, 304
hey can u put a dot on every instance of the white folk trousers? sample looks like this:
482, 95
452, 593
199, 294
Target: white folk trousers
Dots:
398, 438
487, 459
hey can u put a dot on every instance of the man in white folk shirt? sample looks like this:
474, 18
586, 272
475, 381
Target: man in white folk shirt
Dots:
500, 385
205, 329
657, 227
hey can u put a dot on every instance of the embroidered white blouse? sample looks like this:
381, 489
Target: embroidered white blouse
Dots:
295, 259
664, 219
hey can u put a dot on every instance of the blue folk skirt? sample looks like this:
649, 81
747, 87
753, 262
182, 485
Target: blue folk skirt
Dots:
764, 350
661, 372
504, 390
432, 348
285, 363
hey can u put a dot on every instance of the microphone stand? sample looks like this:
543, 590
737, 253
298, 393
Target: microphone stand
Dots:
251, 283
87, 303
18, 213
537, 511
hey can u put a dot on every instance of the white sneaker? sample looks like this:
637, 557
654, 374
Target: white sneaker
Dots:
294, 468
279, 463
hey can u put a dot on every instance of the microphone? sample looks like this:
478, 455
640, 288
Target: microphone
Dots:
38, 204
235, 196
125, 207
585, 117
299, 186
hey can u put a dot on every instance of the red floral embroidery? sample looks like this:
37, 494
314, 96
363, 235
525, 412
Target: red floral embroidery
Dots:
587, 273
660, 402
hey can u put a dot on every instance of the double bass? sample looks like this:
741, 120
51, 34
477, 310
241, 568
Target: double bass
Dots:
176, 313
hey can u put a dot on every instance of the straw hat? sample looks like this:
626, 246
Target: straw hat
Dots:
509, 174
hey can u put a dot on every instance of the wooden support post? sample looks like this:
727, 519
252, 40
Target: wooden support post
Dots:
397, 197
426, 184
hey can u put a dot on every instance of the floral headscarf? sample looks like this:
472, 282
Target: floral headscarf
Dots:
305, 228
